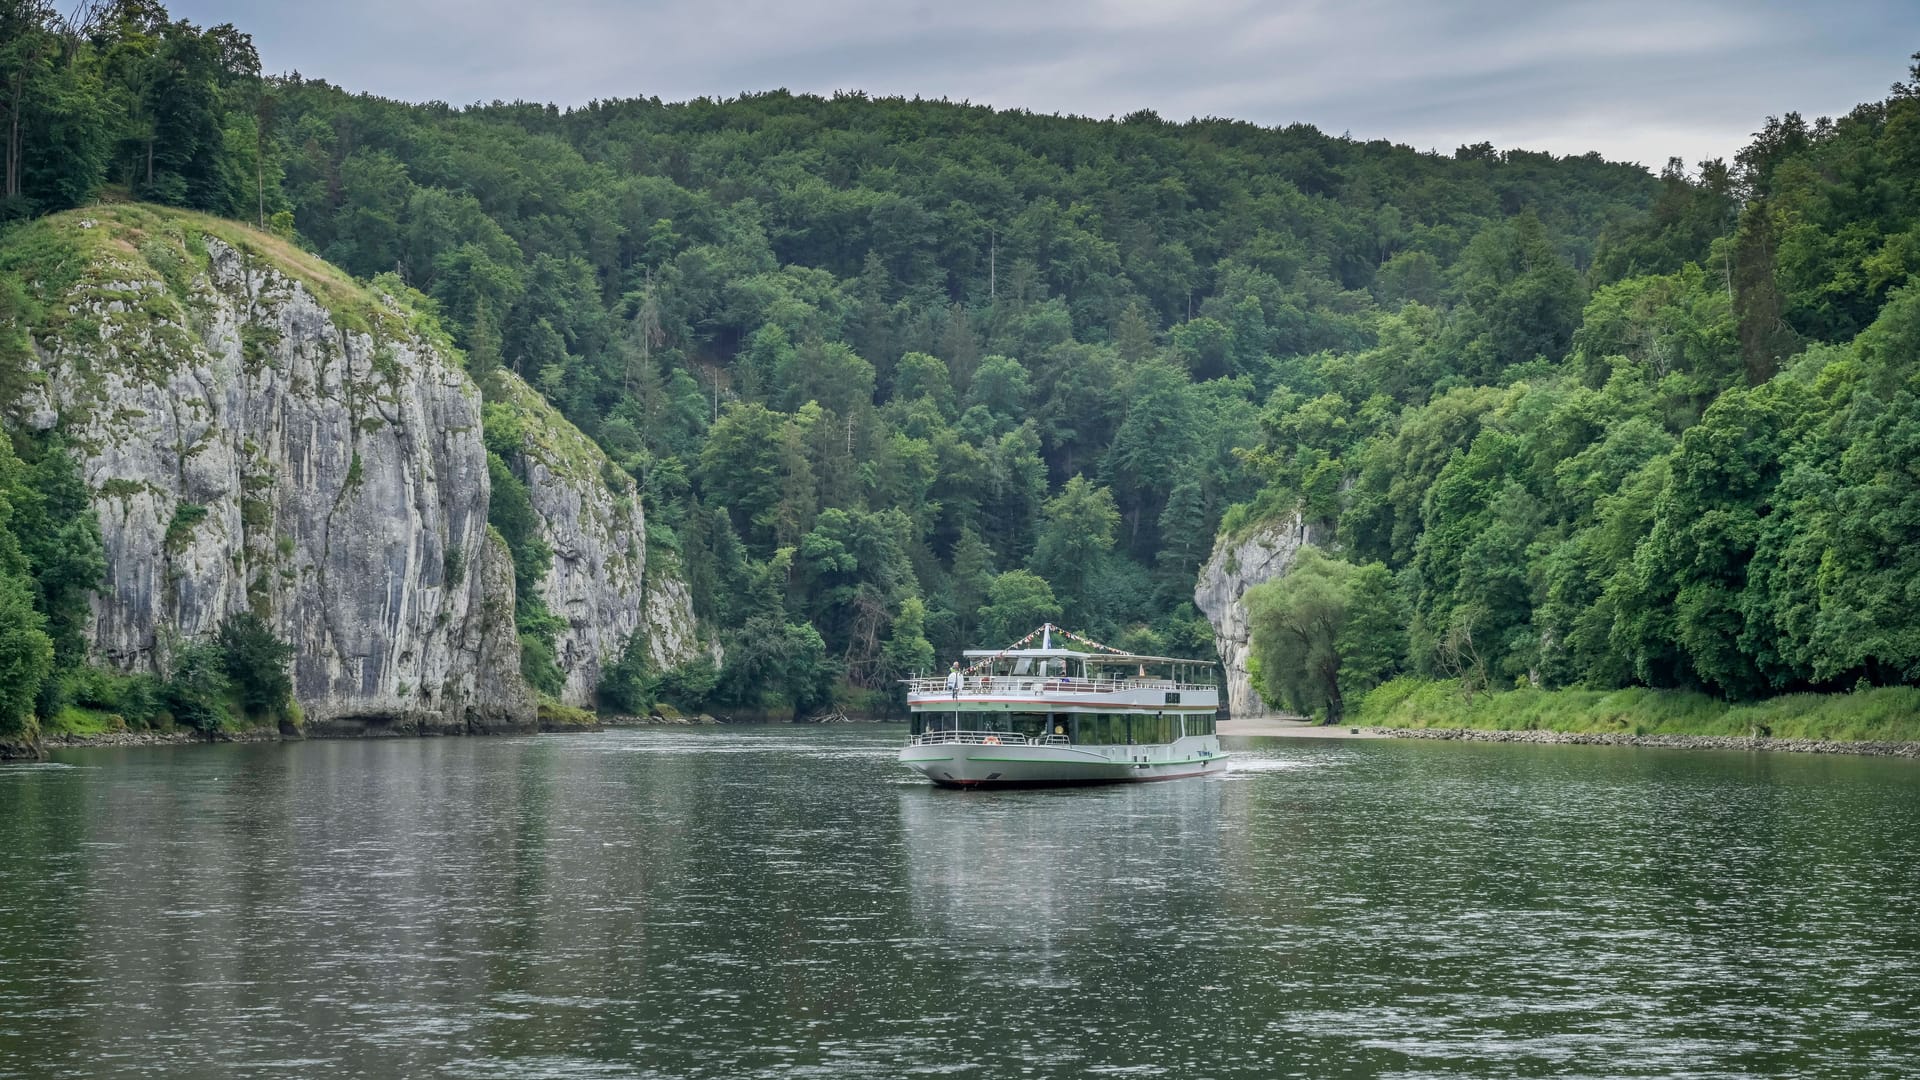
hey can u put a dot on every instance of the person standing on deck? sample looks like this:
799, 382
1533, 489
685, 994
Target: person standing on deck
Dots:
953, 679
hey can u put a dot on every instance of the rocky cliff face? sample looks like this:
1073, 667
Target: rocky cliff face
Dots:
1239, 563
672, 630
262, 433
599, 584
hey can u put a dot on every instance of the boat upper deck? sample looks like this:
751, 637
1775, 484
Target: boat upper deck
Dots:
1026, 686
1059, 678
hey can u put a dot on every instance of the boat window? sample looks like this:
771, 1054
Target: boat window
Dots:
1146, 729
1098, 728
1103, 729
1029, 724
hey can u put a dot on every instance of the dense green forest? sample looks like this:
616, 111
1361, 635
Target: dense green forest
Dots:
896, 377
1713, 485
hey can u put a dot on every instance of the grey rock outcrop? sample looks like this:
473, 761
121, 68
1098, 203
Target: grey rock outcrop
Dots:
1240, 562
598, 584
262, 433
598, 536
673, 636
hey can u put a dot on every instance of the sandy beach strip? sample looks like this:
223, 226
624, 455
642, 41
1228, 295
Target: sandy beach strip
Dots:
1291, 727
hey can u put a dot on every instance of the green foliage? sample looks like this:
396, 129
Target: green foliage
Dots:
689, 685
840, 341
907, 653
626, 685
771, 663
50, 563
1889, 714
1706, 486
1372, 643
186, 516
26, 653
538, 629
60, 537
1075, 539
1325, 632
510, 510
137, 700
198, 692
1017, 601
256, 664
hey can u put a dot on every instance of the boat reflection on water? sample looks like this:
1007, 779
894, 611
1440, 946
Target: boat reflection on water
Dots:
1025, 871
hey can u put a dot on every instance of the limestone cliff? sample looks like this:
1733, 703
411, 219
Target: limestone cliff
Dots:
599, 584
263, 433
1240, 561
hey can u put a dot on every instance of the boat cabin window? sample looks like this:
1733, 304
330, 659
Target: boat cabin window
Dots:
1032, 725
1122, 729
923, 722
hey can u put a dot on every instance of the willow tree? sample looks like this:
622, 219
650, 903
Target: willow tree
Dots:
1324, 631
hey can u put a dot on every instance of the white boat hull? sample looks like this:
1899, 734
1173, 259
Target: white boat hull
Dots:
1015, 764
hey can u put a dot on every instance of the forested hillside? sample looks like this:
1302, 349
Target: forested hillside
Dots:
1714, 486
896, 377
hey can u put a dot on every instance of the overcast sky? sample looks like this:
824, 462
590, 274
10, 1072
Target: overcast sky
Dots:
1637, 80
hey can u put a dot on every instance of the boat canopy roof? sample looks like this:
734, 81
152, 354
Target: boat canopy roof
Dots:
1115, 659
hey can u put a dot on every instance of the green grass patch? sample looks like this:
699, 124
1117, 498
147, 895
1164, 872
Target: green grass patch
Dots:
74, 255
1270, 505
555, 715
520, 420
80, 721
1885, 714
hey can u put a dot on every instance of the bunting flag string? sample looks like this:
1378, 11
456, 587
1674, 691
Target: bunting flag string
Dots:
1089, 641
977, 665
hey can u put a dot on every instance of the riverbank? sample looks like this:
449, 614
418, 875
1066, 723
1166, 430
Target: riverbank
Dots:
17, 749
1293, 727
1907, 749
1885, 720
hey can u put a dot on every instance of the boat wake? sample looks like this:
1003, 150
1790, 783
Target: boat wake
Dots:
1246, 765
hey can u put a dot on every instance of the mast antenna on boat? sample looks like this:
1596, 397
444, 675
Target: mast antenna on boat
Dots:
1046, 635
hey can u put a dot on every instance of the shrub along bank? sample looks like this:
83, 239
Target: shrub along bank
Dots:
1884, 714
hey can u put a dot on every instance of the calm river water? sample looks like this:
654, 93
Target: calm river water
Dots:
781, 902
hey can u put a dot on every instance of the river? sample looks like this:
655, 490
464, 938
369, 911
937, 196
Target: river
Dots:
788, 902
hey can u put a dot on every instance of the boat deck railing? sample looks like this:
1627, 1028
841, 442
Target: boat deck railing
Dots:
986, 738
1028, 684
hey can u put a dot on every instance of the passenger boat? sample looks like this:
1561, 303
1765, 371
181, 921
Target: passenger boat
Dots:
1023, 716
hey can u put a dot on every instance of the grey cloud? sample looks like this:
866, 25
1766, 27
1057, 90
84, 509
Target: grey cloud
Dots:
1633, 79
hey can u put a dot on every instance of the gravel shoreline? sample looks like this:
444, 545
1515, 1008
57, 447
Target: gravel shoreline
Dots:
1293, 728
1261, 727
1666, 742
